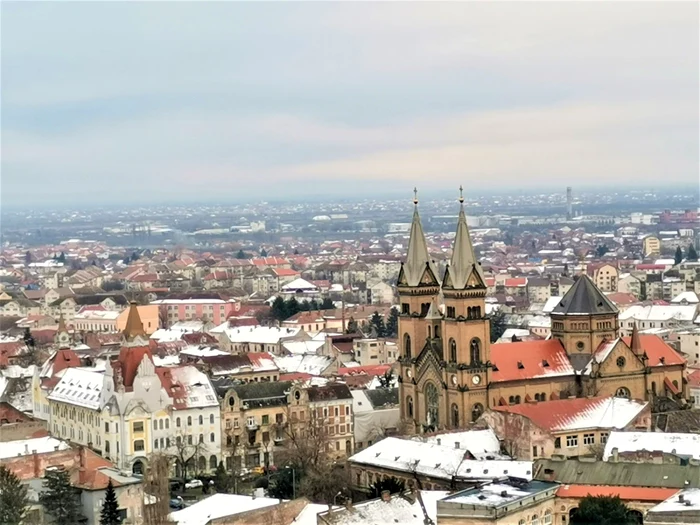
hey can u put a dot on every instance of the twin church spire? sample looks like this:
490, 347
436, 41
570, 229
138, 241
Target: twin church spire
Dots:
419, 269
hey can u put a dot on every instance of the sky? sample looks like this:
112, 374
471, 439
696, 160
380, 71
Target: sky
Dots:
126, 102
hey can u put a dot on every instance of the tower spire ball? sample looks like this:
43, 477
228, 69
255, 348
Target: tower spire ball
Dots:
461, 197
415, 196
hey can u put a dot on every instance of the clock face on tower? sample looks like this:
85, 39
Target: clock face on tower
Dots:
476, 380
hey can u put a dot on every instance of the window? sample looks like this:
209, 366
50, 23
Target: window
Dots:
547, 518
455, 415
189, 421
603, 438
177, 422
201, 438
212, 438
405, 309
571, 441
557, 442
589, 439
407, 345
155, 443
409, 406
535, 520
266, 420
475, 351
189, 439
201, 419
138, 426
167, 424
534, 452
623, 392
138, 445
477, 410
106, 426
155, 424
211, 419
451, 312
453, 351
620, 361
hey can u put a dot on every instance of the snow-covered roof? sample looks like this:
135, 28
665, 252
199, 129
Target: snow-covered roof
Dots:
79, 387
303, 347
480, 443
199, 392
660, 312
687, 500
687, 445
397, 510
24, 447
551, 303
104, 315
437, 461
202, 351
308, 364
688, 297
299, 284
256, 334
188, 301
219, 506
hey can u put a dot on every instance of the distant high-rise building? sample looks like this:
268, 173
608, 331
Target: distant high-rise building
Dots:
569, 205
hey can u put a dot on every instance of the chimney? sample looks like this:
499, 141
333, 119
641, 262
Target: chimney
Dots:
457, 445
681, 499
81, 453
37, 464
26, 449
504, 493
386, 496
439, 441
615, 455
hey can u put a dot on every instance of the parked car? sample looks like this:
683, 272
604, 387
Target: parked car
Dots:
194, 484
177, 503
258, 470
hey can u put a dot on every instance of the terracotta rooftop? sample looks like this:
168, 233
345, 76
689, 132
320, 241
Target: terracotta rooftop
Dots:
528, 360
624, 493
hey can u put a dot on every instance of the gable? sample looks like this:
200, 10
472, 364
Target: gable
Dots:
402, 281
428, 278
475, 280
620, 352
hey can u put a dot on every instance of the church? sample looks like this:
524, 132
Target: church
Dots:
449, 372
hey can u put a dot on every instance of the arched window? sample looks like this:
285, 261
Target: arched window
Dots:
535, 520
189, 421
429, 336
455, 415
407, 345
201, 438
547, 518
623, 392
453, 351
167, 424
409, 406
202, 463
469, 312
511, 400
212, 462
432, 404
211, 419
475, 351
201, 419
160, 424
212, 437
436, 331
477, 410
653, 387
517, 400
177, 422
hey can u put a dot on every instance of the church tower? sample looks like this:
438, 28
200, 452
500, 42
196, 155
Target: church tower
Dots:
466, 332
420, 321
583, 319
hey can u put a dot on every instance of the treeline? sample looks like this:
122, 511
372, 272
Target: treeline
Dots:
284, 309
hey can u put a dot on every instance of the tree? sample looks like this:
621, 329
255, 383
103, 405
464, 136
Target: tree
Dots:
13, 498
110, 507
292, 307
327, 304
279, 308
352, 327
602, 510
296, 252
187, 449
263, 252
156, 491
678, 257
28, 258
241, 255
284, 484
60, 499
61, 258
392, 484
134, 257
692, 254
392, 324
326, 482
222, 479
377, 324
601, 250
498, 325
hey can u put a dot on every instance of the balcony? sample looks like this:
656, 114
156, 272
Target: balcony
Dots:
251, 424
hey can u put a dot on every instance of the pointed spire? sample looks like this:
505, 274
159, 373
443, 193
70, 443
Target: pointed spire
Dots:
417, 257
134, 326
584, 297
463, 262
62, 324
636, 343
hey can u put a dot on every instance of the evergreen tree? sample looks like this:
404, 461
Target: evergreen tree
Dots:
377, 324
601, 250
351, 327
110, 507
62, 258
292, 307
392, 323
602, 510
313, 305
279, 309
222, 480
296, 252
692, 254
241, 255
678, 257
13, 498
392, 484
327, 304
60, 499
263, 252
498, 326
28, 258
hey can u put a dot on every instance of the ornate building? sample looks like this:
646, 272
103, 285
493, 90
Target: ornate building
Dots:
450, 373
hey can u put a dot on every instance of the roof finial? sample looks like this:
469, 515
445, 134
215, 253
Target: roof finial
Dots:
461, 197
415, 196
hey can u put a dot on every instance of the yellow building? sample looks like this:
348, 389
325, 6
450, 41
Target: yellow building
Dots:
148, 315
449, 372
651, 246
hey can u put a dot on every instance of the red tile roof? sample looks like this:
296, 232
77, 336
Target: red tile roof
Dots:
622, 298
269, 261
295, 376
656, 349
371, 370
285, 272
516, 281
130, 359
694, 378
528, 360
625, 493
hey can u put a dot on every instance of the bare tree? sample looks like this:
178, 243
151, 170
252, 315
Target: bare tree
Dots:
187, 448
156, 491
163, 316
305, 442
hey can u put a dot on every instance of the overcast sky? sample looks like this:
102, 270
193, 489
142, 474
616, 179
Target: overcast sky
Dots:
121, 101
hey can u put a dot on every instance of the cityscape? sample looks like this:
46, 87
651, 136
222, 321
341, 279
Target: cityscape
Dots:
299, 304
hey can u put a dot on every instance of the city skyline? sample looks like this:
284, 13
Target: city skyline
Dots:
246, 101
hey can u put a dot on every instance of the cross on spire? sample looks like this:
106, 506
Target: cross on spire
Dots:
415, 196
461, 197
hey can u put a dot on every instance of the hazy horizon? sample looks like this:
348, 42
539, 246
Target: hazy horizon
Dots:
208, 102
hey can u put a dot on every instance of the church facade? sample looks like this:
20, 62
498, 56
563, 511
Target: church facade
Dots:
449, 372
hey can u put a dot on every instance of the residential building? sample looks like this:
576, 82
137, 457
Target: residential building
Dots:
94, 320
567, 427
148, 314
258, 338
683, 508
651, 246
330, 406
375, 351
623, 445
376, 415
694, 388
676, 316
211, 307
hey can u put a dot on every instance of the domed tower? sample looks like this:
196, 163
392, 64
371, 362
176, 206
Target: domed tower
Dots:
466, 332
583, 319
420, 320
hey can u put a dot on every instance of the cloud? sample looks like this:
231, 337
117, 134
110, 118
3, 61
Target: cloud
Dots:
128, 100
